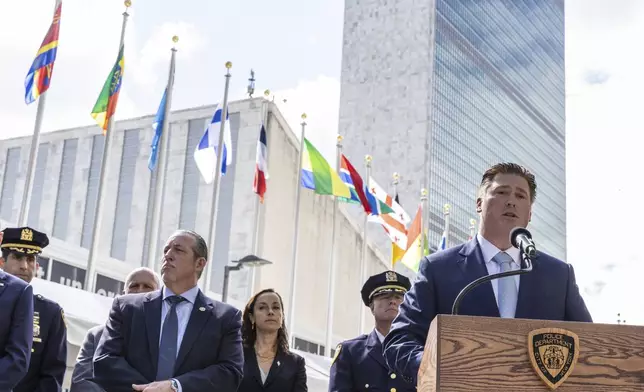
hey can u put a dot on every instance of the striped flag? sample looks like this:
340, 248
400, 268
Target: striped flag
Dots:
39, 75
395, 223
359, 192
205, 154
414, 251
105, 106
261, 166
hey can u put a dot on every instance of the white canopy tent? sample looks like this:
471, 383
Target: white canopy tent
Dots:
84, 310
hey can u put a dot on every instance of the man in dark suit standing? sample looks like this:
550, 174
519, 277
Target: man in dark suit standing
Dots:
358, 364
47, 365
141, 280
504, 201
175, 339
16, 329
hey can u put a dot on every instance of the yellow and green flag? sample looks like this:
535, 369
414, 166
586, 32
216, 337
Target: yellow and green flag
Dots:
318, 175
105, 106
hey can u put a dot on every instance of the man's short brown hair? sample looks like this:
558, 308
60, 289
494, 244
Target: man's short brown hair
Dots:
508, 168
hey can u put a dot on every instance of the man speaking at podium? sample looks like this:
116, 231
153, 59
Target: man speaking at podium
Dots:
549, 292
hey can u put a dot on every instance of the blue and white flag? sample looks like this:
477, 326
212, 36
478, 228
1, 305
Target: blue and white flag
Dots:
158, 130
206, 151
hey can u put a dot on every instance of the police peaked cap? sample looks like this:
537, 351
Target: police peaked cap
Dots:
24, 240
383, 283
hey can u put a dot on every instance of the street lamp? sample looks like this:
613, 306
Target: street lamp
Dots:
248, 261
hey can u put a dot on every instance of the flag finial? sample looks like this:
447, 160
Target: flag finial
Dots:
446, 208
128, 3
303, 116
396, 177
267, 92
368, 158
229, 65
339, 139
423, 193
175, 38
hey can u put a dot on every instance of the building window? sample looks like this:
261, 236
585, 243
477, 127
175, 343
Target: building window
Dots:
65, 187
121, 228
33, 219
93, 178
9, 183
191, 177
308, 347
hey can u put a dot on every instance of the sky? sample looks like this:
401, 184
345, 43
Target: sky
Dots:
295, 49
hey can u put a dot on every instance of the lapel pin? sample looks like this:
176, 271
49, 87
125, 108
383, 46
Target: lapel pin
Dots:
278, 363
202, 309
1, 284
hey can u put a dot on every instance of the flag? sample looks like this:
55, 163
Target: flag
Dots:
39, 75
360, 193
443, 243
105, 105
206, 151
158, 130
396, 254
394, 223
261, 167
319, 176
414, 253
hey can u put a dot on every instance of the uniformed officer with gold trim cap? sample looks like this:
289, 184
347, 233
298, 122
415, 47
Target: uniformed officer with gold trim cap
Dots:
358, 364
20, 246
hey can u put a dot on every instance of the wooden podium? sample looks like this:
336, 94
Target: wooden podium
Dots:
469, 354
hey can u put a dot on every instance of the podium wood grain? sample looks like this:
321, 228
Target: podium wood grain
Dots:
469, 354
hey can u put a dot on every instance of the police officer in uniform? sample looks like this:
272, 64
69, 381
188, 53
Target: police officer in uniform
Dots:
49, 350
358, 364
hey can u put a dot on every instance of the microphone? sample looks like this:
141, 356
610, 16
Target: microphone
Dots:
522, 239
519, 238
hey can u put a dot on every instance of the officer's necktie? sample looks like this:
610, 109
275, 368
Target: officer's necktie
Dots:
169, 336
507, 289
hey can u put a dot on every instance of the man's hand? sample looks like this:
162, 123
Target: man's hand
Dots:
157, 386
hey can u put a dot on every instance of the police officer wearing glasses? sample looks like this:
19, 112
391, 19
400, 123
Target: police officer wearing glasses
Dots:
358, 364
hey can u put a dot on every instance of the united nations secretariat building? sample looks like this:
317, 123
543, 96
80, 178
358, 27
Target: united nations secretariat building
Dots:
64, 198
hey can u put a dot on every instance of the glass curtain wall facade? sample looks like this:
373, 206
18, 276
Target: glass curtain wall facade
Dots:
498, 95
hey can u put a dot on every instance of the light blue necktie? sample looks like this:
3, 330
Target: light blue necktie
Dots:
507, 289
169, 336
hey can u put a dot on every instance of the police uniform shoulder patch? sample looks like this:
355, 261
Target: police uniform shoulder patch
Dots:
337, 352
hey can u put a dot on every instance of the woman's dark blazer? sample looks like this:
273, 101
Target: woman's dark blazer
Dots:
287, 374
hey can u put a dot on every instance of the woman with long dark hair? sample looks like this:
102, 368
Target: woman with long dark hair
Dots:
269, 365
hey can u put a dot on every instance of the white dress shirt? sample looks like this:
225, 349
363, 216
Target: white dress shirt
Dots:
489, 251
184, 309
381, 337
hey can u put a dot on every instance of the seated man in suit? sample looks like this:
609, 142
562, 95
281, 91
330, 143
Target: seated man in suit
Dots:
175, 339
141, 280
505, 198
16, 329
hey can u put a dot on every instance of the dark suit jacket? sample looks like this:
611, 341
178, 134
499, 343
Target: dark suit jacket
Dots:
49, 355
287, 374
210, 357
358, 365
549, 292
16, 329
84, 368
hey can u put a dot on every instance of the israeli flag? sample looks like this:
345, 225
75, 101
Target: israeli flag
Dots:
206, 151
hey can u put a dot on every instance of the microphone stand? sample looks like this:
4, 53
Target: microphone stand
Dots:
526, 267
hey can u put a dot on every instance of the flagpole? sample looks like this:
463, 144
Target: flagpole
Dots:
446, 210
215, 188
258, 205
296, 225
334, 261
396, 180
90, 280
363, 261
33, 154
162, 167
424, 205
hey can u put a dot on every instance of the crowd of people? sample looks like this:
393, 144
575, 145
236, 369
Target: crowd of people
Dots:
166, 335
